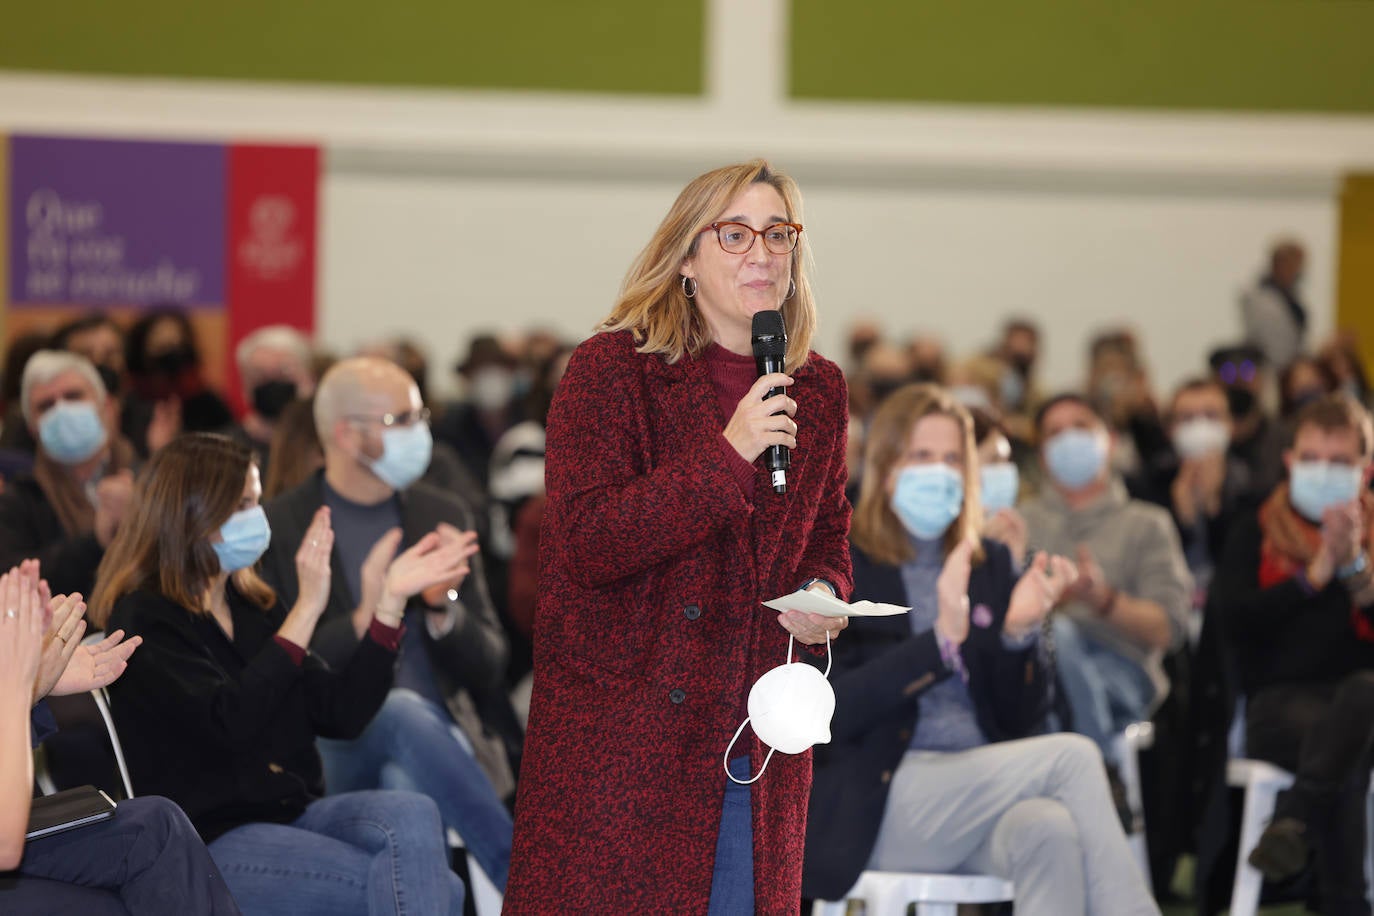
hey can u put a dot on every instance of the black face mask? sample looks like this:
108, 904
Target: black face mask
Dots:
111, 380
881, 388
173, 362
1241, 401
271, 398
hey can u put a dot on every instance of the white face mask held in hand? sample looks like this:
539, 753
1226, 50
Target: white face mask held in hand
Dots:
791, 707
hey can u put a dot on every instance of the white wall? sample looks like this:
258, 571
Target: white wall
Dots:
448, 255
449, 212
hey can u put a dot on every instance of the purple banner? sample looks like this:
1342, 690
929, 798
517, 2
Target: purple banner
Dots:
114, 222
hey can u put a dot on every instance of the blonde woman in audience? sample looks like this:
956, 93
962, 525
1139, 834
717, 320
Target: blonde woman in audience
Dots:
931, 766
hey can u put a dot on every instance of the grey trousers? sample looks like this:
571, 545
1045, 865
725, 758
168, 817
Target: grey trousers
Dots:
1036, 812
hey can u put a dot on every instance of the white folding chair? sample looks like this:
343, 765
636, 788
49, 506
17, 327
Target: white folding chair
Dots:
1137, 737
1262, 783
486, 899
890, 893
102, 705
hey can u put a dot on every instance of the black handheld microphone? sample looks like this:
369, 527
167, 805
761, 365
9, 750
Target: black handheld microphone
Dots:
769, 338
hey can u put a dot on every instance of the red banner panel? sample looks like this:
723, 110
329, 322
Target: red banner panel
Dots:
270, 262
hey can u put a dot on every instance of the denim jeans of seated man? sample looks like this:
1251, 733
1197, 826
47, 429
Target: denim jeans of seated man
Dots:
413, 744
732, 879
1106, 691
358, 854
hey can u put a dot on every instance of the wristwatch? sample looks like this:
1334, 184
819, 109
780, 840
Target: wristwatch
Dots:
1354, 567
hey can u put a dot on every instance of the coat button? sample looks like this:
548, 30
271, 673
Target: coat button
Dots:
691, 612
904, 735
677, 694
275, 768
886, 777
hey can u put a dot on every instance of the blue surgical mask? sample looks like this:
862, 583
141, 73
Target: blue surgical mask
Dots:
1314, 486
1000, 484
927, 499
245, 538
71, 431
1075, 457
406, 451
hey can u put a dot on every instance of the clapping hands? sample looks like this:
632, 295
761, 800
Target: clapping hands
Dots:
63, 666
1041, 587
432, 565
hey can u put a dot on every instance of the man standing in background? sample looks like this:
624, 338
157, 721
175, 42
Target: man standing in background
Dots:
1274, 319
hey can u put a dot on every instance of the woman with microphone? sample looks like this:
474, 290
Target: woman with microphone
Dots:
663, 535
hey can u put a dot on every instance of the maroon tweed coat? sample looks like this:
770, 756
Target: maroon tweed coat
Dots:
649, 634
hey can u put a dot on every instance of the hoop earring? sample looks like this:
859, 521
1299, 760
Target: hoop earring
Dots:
791, 289
692, 292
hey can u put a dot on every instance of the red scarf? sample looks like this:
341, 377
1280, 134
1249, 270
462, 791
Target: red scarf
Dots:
1290, 542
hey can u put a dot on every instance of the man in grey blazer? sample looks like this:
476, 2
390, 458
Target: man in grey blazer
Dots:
446, 727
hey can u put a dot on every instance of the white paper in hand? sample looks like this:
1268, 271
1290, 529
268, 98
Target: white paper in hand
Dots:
822, 602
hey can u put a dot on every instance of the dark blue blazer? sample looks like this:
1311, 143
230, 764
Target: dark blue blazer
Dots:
880, 671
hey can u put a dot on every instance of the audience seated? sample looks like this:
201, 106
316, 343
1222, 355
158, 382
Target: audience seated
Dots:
15, 437
1130, 602
1340, 357
67, 511
275, 369
473, 425
930, 767
137, 861
446, 469
220, 708
166, 384
431, 732
1202, 485
999, 486
1295, 596
1019, 348
296, 454
1118, 388
1256, 439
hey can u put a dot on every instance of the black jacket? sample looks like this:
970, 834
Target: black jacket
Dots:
471, 657
29, 529
880, 671
226, 728
1282, 634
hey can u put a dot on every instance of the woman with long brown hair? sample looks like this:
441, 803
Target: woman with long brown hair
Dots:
220, 708
932, 765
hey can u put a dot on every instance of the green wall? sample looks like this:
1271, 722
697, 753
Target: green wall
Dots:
630, 46
1278, 55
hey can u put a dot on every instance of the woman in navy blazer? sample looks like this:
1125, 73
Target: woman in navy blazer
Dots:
930, 767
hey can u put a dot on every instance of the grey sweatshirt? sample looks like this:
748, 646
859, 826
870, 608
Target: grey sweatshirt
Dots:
1139, 551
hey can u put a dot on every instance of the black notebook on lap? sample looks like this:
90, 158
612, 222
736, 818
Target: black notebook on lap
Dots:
68, 810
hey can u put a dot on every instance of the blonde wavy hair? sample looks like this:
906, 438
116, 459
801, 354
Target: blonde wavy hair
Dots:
652, 304
876, 530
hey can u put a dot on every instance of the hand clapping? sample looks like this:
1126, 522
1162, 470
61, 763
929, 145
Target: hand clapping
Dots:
1040, 589
21, 632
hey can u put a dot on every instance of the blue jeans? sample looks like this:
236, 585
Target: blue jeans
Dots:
146, 859
732, 881
413, 744
360, 854
1105, 690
